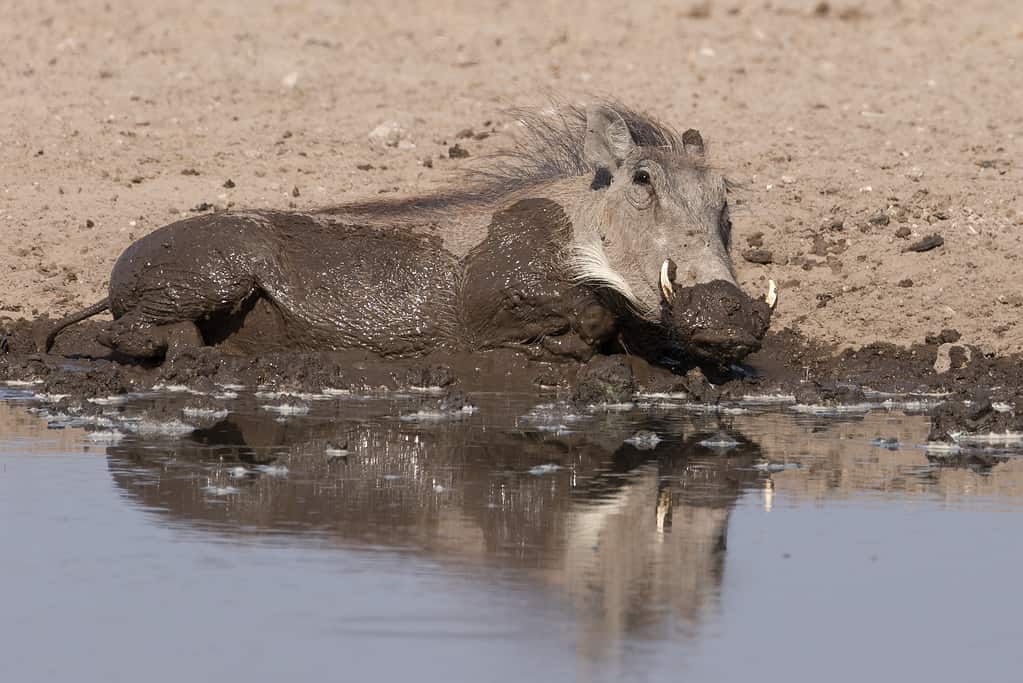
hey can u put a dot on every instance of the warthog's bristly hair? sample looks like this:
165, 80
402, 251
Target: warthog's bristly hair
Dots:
548, 146
590, 265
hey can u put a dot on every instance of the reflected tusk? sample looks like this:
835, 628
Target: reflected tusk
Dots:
666, 277
663, 510
772, 294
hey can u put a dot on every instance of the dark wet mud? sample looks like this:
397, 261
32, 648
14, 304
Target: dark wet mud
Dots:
718, 322
978, 394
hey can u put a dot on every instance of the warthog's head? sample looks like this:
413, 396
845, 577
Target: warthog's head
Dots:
657, 227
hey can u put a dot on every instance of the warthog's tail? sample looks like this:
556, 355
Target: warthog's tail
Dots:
46, 336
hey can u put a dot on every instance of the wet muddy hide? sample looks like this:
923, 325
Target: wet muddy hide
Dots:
715, 322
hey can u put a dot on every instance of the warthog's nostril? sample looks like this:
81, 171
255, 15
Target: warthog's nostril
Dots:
668, 272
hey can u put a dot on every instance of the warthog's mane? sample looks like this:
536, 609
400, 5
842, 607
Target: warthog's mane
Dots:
548, 145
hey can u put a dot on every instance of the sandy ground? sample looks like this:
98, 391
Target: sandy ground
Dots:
849, 124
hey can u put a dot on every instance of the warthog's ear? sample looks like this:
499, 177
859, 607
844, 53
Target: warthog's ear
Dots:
607, 140
692, 142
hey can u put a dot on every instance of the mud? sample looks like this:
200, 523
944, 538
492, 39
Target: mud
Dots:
976, 395
716, 322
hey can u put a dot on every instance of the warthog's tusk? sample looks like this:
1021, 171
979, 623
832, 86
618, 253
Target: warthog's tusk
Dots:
772, 294
666, 277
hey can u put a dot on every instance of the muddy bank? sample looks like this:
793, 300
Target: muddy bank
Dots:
971, 393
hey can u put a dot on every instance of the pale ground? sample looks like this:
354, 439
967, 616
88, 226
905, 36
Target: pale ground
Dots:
913, 109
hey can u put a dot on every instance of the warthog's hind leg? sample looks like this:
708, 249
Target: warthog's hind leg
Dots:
132, 336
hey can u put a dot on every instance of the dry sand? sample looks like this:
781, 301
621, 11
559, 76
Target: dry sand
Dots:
846, 123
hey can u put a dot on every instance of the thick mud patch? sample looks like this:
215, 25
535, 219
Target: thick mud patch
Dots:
972, 397
717, 322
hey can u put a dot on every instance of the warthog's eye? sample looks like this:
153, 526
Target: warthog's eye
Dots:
641, 177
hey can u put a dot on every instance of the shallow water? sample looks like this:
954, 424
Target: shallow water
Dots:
373, 538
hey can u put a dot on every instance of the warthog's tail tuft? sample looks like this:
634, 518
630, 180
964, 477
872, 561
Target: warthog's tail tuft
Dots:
46, 336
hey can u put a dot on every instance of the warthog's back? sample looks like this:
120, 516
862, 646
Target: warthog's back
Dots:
334, 285
355, 286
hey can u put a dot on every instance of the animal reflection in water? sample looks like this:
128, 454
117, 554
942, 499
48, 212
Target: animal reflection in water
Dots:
630, 534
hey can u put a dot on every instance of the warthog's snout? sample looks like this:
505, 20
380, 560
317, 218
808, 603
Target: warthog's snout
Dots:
715, 321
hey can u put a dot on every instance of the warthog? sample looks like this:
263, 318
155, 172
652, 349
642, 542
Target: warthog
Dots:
601, 229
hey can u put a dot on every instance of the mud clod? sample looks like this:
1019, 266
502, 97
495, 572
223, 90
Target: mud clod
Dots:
430, 376
699, 387
829, 393
761, 256
927, 243
717, 322
974, 416
946, 336
605, 379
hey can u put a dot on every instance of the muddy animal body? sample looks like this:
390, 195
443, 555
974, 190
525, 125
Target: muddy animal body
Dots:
569, 261
333, 285
337, 286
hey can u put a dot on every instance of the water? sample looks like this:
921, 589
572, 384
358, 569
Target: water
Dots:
368, 539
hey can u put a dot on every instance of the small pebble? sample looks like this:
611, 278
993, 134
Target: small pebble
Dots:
389, 133
927, 243
761, 256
